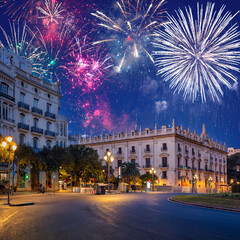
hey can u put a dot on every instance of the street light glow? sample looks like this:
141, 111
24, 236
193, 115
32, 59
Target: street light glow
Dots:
4, 144
9, 139
14, 147
109, 153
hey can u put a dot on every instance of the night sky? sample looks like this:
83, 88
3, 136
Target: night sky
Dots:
135, 96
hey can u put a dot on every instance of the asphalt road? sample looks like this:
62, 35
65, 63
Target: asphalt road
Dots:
123, 216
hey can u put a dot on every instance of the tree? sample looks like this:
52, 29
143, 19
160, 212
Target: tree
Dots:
130, 170
52, 160
82, 162
27, 157
233, 163
147, 177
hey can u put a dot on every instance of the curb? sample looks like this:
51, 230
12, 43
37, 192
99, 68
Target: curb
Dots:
21, 204
204, 206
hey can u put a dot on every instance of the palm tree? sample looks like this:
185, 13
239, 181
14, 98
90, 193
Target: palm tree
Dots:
130, 170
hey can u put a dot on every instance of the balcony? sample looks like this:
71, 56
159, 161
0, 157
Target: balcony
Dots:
23, 126
147, 150
186, 151
119, 153
50, 133
199, 155
50, 115
132, 151
211, 158
210, 171
36, 130
147, 166
194, 168
200, 169
179, 149
193, 153
2, 94
37, 111
23, 105
164, 149
163, 166
180, 166
187, 167
8, 119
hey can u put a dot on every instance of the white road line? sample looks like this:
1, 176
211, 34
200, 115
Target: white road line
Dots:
5, 219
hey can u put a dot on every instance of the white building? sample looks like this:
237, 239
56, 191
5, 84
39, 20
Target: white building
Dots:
232, 151
181, 158
29, 106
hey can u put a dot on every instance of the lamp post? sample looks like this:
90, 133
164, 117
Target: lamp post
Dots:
153, 171
209, 182
195, 178
109, 159
222, 181
13, 147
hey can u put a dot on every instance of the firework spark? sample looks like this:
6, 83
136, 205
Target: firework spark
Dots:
20, 9
22, 41
138, 20
51, 12
199, 54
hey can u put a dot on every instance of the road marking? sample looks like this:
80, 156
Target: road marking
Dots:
7, 218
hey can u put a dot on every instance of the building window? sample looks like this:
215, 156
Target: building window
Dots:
49, 143
164, 146
206, 168
179, 147
48, 126
192, 164
133, 161
148, 163
21, 139
35, 143
147, 147
22, 118
186, 162
179, 175
119, 150
216, 178
35, 122
4, 88
22, 97
35, 103
133, 149
199, 165
179, 161
119, 163
49, 107
164, 175
147, 131
193, 151
164, 161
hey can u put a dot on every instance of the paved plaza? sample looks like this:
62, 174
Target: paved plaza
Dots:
121, 216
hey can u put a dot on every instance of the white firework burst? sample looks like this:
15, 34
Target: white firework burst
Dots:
199, 54
51, 12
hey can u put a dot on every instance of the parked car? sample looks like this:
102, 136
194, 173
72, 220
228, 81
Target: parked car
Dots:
3, 189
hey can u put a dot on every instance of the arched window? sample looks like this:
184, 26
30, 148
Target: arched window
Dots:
21, 139
22, 118
49, 143
35, 143
4, 88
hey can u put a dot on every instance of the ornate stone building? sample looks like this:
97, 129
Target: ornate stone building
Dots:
181, 158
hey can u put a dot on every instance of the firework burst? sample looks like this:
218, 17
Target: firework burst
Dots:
20, 9
135, 25
22, 41
52, 12
199, 54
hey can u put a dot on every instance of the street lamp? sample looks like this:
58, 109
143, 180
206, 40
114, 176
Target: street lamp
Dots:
12, 147
209, 183
152, 171
195, 180
222, 181
109, 159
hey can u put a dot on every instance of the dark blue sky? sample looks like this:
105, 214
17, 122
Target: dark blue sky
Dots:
142, 99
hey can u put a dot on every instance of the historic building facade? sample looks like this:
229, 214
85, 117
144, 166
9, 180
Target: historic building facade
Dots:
29, 106
181, 158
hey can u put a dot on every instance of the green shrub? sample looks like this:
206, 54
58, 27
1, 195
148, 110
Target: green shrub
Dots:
235, 188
